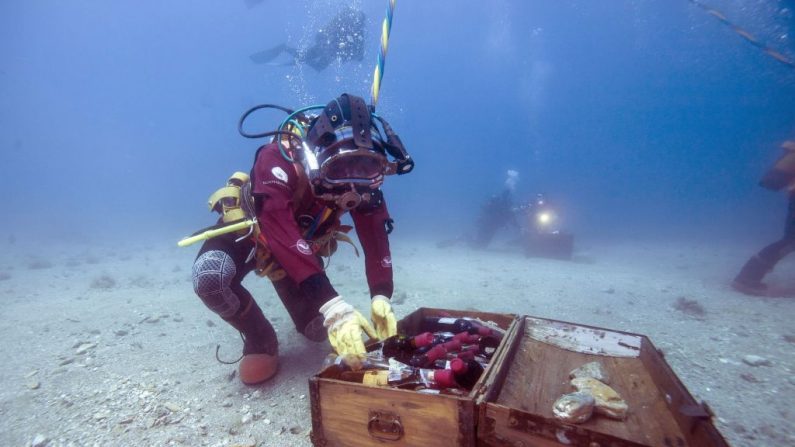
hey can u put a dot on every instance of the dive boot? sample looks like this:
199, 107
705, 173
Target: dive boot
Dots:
749, 280
260, 346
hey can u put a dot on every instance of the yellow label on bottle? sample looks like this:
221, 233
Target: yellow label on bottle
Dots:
376, 378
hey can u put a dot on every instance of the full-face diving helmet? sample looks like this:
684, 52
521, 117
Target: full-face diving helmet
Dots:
345, 155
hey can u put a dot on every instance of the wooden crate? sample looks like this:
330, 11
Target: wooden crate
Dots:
347, 414
511, 404
531, 370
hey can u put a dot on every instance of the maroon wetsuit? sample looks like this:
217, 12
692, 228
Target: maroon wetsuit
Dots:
287, 209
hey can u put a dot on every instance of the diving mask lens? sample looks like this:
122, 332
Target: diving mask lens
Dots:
353, 168
359, 166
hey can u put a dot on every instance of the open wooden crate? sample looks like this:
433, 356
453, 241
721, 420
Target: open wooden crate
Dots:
531, 371
511, 404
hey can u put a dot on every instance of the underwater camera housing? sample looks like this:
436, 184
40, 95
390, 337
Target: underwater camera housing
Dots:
541, 234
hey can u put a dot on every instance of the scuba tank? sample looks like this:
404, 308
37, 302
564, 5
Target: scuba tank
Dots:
236, 205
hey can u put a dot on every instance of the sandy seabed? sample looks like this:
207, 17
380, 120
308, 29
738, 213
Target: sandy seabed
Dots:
108, 345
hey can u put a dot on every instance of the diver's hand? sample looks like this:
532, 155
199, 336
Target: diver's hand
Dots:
383, 318
345, 325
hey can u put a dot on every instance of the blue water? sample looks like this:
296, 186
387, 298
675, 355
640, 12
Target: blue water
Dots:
641, 120
642, 117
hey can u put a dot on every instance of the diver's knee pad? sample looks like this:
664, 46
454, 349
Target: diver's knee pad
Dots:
213, 272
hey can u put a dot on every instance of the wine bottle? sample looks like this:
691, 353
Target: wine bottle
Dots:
369, 377
370, 360
466, 338
420, 378
466, 372
443, 337
463, 337
400, 345
435, 353
427, 358
467, 352
457, 325
488, 345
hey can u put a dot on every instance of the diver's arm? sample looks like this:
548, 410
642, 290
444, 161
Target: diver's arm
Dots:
370, 222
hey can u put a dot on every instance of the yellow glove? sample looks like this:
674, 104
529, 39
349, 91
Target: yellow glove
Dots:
383, 317
345, 325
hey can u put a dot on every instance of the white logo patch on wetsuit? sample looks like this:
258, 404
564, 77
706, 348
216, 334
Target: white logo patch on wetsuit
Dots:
279, 174
303, 247
386, 262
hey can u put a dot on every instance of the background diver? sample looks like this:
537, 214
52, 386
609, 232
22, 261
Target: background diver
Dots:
341, 39
495, 213
780, 177
536, 222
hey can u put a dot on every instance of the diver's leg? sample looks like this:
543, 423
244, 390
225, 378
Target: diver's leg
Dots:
303, 310
261, 346
217, 267
749, 280
266, 56
217, 275
484, 233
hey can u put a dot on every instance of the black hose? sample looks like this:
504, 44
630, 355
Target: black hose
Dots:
254, 109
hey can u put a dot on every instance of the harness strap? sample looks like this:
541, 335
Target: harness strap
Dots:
340, 236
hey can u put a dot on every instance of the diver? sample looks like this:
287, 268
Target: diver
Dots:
780, 177
287, 219
495, 213
341, 39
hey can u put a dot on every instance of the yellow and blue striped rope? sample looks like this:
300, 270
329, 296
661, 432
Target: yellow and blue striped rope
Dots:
746, 35
378, 74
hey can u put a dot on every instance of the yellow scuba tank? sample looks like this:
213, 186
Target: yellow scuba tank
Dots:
236, 205
233, 201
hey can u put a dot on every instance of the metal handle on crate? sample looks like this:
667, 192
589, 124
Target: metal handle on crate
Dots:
385, 426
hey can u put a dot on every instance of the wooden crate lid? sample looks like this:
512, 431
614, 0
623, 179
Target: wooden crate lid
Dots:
531, 370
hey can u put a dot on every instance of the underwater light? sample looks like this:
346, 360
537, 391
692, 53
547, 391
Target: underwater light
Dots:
544, 218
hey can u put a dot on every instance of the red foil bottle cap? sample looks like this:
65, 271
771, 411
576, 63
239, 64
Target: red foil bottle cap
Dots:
452, 346
424, 339
436, 353
444, 378
458, 366
466, 338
